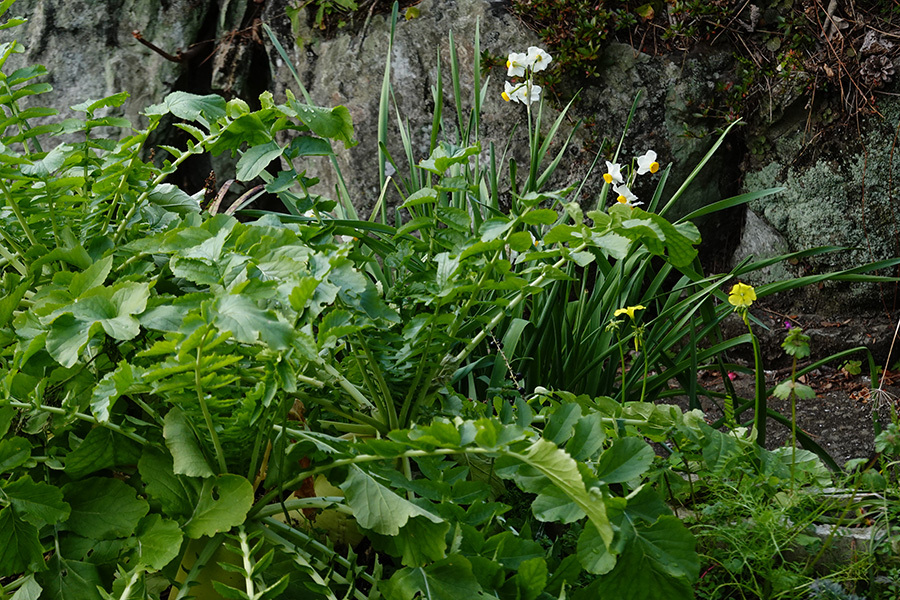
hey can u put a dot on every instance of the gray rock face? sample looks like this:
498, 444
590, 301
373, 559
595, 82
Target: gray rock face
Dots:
839, 191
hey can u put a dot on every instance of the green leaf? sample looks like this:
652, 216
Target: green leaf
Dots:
249, 323
173, 199
159, 541
587, 438
540, 216
92, 277
378, 508
562, 423
625, 460
658, 561
424, 195
562, 471
176, 494
29, 590
593, 553
422, 541
532, 578
443, 157
223, 503
334, 123
182, 442
38, 503
256, 159
20, 548
70, 580
13, 453
103, 508
448, 579
520, 241
126, 379
101, 449
192, 107
552, 504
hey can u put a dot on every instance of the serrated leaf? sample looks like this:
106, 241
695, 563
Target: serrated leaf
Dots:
176, 494
192, 107
158, 541
249, 323
378, 508
182, 442
38, 503
331, 123
223, 503
103, 508
101, 449
92, 277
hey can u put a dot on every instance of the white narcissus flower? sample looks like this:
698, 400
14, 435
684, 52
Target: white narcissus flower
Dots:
647, 163
510, 91
625, 196
529, 94
613, 173
538, 59
516, 64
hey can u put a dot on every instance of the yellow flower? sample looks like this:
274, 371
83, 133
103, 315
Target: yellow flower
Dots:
742, 295
625, 196
628, 311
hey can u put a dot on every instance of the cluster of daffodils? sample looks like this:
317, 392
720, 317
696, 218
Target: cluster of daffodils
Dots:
646, 163
525, 65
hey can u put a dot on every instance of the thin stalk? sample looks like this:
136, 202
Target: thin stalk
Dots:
18, 212
761, 410
220, 453
55, 410
388, 398
329, 502
354, 393
420, 369
458, 358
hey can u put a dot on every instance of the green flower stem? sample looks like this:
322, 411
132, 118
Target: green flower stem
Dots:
18, 212
244, 542
417, 380
387, 398
502, 314
209, 549
220, 453
354, 460
358, 417
13, 261
761, 410
123, 182
55, 410
622, 358
355, 395
330, 502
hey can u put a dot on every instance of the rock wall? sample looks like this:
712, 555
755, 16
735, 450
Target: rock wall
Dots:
839, 185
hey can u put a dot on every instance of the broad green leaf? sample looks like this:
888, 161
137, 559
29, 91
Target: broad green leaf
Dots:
13, 453
424, 195
182, 442
511, 550
70, 580
256, 159
249, 323
331, 123
20, 548
223, 503
103, 508
540, 216
658, 561
587, 438
92, 277
495, 227
192, 107
443, 157
520, 241
625, 460
307, 145
378, 508
552, 504
448, 579
562, 423
91, 106
29, 590
718, 449
173, 199
562, 470
101, 449
593, 553
125, 379
159, 541
422, 541
532, 578
176, 494
38, 503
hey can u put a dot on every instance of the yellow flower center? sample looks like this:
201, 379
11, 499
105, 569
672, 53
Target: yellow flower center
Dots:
607, 178
508, 64
654, 167
622, 200
505, 96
